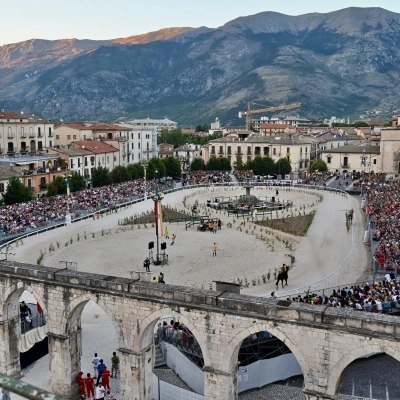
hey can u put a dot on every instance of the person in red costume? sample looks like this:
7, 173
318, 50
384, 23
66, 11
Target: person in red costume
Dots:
89, 383
105, 379
81, 383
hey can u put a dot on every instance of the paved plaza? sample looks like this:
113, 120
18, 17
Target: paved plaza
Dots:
103, 246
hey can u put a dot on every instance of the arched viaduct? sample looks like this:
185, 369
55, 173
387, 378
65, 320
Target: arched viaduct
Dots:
324, 340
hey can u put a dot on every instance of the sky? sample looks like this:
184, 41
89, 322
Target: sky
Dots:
110, 19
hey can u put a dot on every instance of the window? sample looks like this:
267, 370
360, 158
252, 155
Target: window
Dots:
115, 158
68, 137
274, 152
374, 161
287, 150
1, 187
57, 137
108, 159
79, 162
328, 160
212, 149
72, 163
301, 150
39, 131
50, 143
249, 150
102, 160
40, 145
132, 135
139, 135
301, 164
229, 149
29, 183
133, 146
10, 147
49, 131
138, 146
22, 130
74, 137
221, 149
239, 150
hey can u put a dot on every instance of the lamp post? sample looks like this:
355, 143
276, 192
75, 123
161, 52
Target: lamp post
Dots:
157, 205
145, 165
363, 160
67, 215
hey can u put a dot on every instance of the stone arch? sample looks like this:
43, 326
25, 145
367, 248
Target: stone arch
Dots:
74, 310
147, 328
230, 356
353, 355
10, 301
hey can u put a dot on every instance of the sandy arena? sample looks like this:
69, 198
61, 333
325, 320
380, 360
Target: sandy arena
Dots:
110, 250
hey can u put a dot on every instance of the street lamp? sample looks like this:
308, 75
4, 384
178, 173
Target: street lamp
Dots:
157, 213
145, 165
363, 160
67, 215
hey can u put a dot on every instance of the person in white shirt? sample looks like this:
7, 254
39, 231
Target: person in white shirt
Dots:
95, 363
100, 392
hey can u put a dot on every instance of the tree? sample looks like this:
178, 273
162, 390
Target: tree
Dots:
261, 165
119, 174
135, 171
224, 164
101, 176
156, 163
197, 164
202, 128
16, 192
283, 167
58, 186
319, 165
172, 166
76, 182
213, 164
239, 164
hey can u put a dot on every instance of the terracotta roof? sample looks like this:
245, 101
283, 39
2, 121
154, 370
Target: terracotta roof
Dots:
74, 125
95, 146
98, 126
74, 152
12, 115
354, 149
274, 126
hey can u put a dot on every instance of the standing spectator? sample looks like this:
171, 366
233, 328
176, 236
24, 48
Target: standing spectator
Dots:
146, 264
100, 391
115, 364
89, 384
101, 367
95, 363
173, 239
214, 249
166, 233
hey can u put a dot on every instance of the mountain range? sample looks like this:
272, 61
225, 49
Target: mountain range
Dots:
343, 63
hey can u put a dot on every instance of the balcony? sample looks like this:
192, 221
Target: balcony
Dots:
23, 150
22, 135
345, 165
51, 134
39, 135
43, 186
257, 153
148, 151
32, 135
121, 139
221, 153
10, 135
239, 153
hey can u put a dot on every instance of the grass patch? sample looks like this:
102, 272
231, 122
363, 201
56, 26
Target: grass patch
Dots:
148, 216
295, 225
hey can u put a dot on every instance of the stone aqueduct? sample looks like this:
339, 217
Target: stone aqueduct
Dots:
324, 340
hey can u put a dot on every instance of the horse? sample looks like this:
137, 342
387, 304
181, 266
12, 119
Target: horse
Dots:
112, 207
350, 216
282, 276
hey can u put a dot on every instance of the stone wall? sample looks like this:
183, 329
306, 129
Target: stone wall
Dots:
323, 340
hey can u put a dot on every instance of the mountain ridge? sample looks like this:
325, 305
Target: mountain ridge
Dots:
344, 63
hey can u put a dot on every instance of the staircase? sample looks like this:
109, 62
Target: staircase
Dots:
159, 356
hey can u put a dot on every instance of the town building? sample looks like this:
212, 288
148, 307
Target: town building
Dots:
350, 158
24, 135
390, 148
5, 175
188, 152
83, 156
158, 124
165, 150
246, 145
277, 129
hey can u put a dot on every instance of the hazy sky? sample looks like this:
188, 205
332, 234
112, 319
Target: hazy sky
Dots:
110, 19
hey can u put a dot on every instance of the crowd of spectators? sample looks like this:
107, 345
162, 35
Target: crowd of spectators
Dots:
242, 176
383, 212
378, 298
206, 177
17, 218
176, 333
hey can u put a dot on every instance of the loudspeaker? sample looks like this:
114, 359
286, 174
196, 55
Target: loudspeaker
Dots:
163, 246
151, 245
